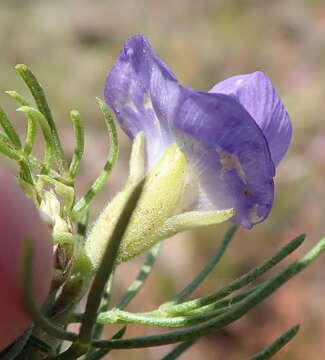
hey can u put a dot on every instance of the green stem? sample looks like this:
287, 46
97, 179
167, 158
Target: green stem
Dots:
38, 318
251, 276
104, 305
41, 344
226, 318
178, 350
36, 116
8, 151
79, 135
106, 267
123, 317
31, 129
139, 281
25, 172
224, 303
41, 102
4, 138
187, 291
277, 345
71, 294
22, 101
82, 223
76, 350
158, 318
100, 353
9, 130
31, 135
110, 162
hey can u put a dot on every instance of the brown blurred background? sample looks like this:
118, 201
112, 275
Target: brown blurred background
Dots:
71, 45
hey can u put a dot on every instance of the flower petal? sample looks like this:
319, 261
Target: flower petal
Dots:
143, 92
229, 154
256, 93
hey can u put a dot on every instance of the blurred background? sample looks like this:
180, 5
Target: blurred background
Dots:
71, 45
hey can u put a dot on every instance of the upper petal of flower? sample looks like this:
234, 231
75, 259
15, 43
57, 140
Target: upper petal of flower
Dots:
228, 153
143, 93
256, 93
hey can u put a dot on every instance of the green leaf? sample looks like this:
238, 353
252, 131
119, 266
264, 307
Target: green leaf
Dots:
36, 116
29, 189
78, 129
237, 283
9, 130
107, 265
26, 282
187, 291
99, 354
110, 162
179, 350
139, 281
5, 149
42, 105
277, 345
227, 317
104, 305
18, 97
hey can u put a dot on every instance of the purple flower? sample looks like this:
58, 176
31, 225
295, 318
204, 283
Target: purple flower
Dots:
233, 136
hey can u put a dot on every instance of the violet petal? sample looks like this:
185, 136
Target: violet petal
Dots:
143, 92
256, 93
228, 153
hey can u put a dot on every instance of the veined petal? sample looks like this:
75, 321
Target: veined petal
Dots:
229, 154
258, 96
143, 92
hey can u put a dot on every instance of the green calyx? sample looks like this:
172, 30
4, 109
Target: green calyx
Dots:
160, 197
160, 211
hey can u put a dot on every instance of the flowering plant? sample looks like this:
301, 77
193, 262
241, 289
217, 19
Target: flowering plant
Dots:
197, 159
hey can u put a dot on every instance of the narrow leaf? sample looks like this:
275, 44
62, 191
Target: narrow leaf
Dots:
110, 162
179, 350
106, 266
139, 281
18, 97
187, 291
78, 129
38, 318
9, 130
42, 105
277, 345
237, 283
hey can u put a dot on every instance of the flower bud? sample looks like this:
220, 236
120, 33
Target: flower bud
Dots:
19, 220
